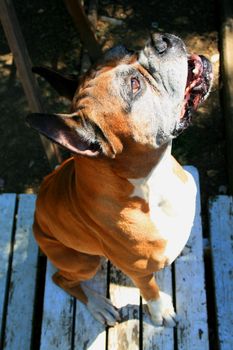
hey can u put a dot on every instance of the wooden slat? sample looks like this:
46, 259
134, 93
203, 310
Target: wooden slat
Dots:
159, 338
58, 310
84, 27
89, 333
192, 332
23, 279
7, 210
125, 296
221, 238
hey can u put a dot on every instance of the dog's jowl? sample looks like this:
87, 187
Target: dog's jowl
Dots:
121, 195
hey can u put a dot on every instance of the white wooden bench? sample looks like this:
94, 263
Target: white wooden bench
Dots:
66, 323
221, 238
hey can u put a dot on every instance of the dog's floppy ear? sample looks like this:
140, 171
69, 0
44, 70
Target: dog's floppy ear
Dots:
78, 135
65, 85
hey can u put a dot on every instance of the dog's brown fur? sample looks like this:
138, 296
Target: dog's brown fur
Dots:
110, 198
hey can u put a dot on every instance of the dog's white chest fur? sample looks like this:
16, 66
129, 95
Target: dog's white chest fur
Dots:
171, 202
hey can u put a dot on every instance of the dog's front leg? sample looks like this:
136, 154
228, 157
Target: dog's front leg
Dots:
159, 304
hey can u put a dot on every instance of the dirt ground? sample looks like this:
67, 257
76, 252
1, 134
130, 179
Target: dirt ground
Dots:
52, 40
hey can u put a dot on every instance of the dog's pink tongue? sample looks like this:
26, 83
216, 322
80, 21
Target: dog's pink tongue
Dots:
193, 94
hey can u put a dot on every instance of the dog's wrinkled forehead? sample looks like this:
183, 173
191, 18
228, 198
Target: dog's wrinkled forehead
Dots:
163, 60
148, 85
161, 64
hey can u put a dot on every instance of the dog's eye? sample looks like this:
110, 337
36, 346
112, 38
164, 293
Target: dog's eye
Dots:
135, 85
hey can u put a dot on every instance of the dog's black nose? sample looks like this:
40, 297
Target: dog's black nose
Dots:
160, 42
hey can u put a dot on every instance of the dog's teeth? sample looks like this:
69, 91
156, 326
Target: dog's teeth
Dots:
195, 71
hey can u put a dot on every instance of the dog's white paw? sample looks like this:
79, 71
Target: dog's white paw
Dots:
101, 308
162, 311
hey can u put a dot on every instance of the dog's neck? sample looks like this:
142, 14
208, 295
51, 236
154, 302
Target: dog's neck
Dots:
139, 160
105, 189
93, 174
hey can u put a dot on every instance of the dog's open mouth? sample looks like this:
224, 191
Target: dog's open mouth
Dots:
198, 85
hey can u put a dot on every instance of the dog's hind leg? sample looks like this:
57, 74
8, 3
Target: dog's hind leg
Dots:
100, 307
75, 267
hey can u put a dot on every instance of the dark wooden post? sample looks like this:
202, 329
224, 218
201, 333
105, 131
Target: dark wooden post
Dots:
227, 77
85, 28
22, 60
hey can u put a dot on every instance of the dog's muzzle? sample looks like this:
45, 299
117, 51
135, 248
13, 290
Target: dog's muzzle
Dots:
199, 79
199, 82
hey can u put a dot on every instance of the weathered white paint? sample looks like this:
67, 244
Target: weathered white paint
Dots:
23, 279
221, 238
89, 333
125, 296
57, 323
192, 332
7, 210
158, 338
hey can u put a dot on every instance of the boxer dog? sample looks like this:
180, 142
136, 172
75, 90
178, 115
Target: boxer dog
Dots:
122, 195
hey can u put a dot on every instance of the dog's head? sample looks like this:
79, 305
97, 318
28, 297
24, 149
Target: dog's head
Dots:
128, 98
